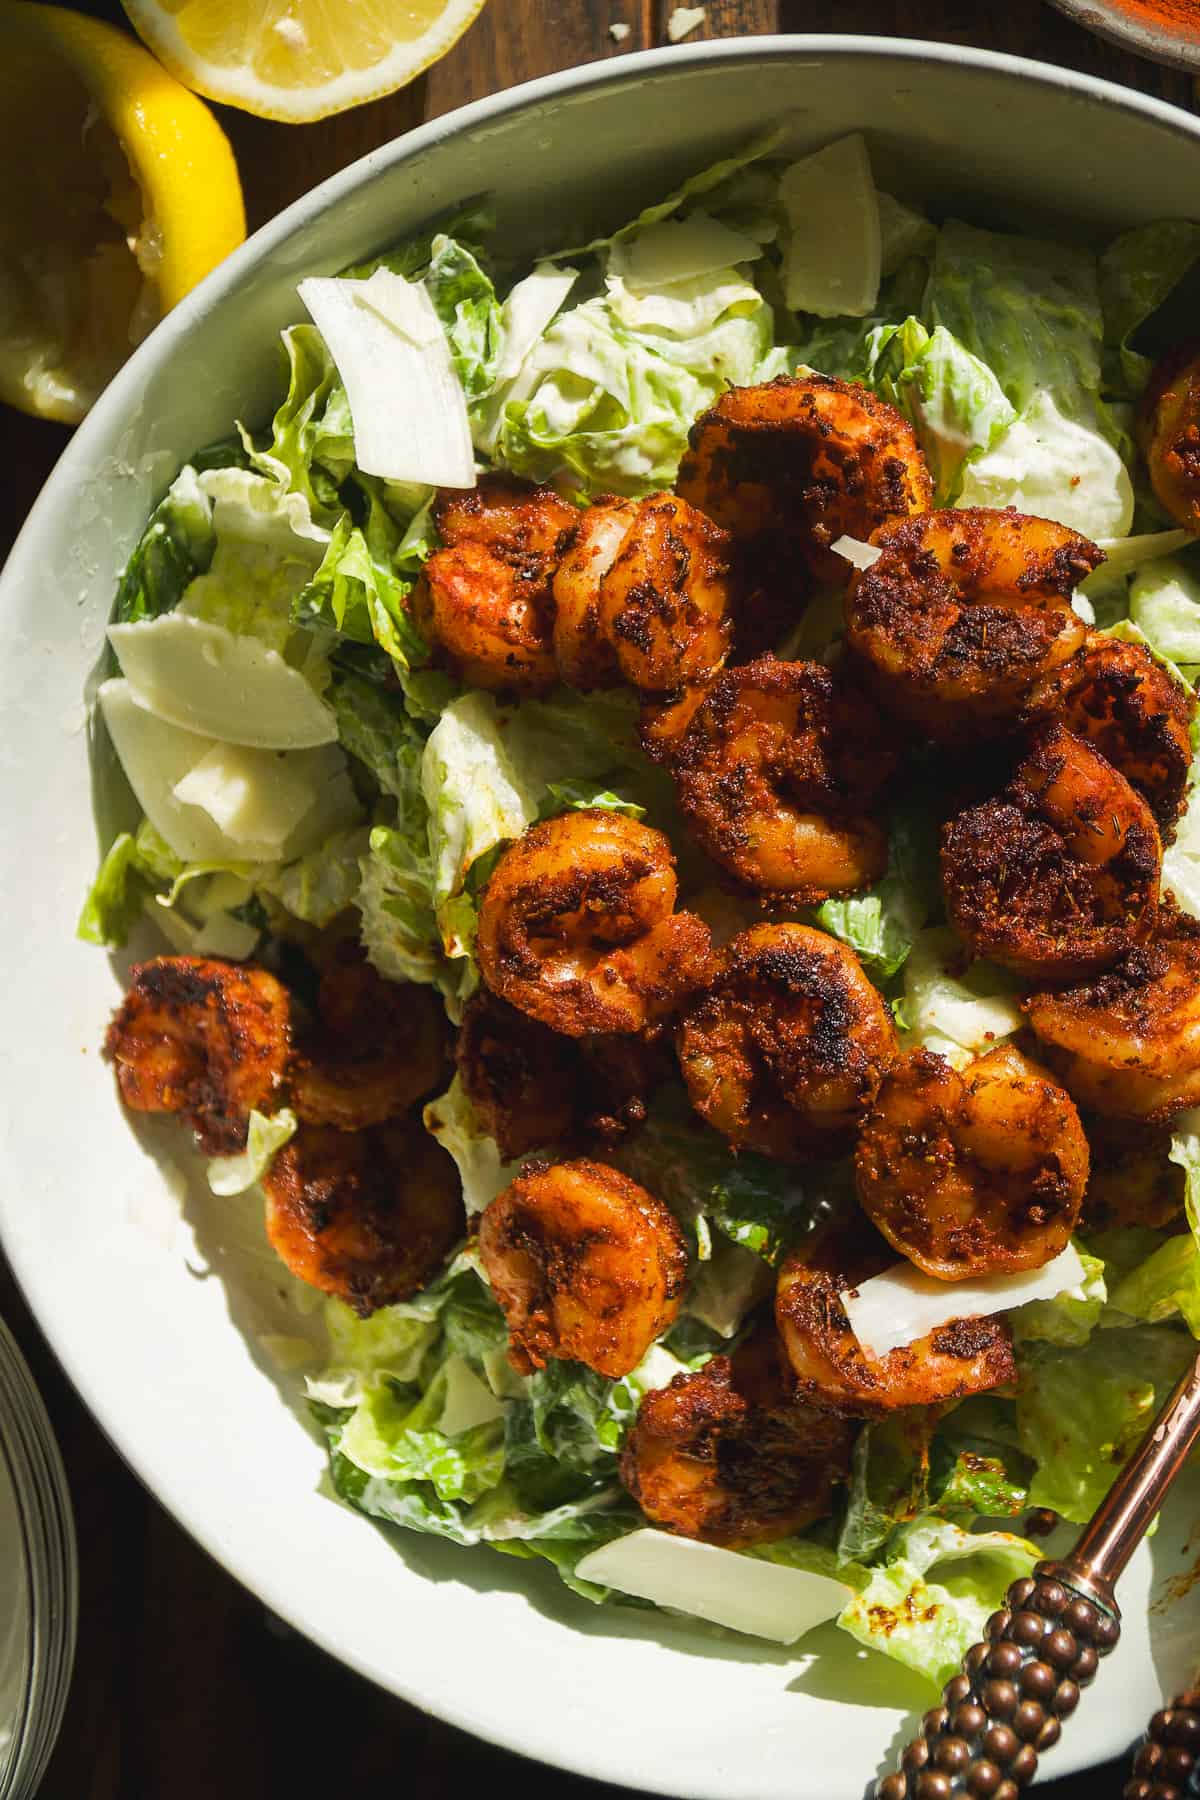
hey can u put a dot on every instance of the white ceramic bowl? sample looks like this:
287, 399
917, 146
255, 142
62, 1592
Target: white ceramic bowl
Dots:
152, 1307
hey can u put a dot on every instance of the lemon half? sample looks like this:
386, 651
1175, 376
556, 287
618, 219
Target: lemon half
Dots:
299, 59
121, 192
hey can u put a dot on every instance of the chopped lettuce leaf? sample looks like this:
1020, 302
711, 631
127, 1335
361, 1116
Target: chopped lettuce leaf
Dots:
1069, 1317
889, 1483
751, 1200
176, 546
228, 1175
117, 896
311, 450
1167, 1284
453, 1122
1082, 1410
1137, 273
1164, 603
903, 232
609, 393
957, 1007
464, 299
1056, 467
882, 924
929, 1602
1031, 312
319, 886
955, 403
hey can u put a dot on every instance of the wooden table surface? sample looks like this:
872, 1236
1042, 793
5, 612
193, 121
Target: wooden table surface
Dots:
184, 1688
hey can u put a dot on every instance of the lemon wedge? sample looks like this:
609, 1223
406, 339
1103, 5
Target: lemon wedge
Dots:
121, 192
299, 59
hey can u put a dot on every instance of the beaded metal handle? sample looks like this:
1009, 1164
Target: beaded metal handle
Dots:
1167, 1767
1007, 1706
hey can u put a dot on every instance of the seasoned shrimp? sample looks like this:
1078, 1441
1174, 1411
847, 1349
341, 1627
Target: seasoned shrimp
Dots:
1133, 1180
785, 1048
963, 611
577, 927
728, 1455
972, 1174
1130, 709
832, 1369
583, 650
367, 1215
485, 598
664, 602
207, 1039
522, 1079
777, 775
585, 1265
1168, 433
381, 1046
794, 464
1058, 877
1127, 1043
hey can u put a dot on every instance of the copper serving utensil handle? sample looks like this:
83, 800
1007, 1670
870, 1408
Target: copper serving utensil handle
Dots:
1006, 1708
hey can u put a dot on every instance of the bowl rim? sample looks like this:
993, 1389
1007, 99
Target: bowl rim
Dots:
120, 398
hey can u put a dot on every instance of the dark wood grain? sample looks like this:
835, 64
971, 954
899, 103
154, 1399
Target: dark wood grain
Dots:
184, 1688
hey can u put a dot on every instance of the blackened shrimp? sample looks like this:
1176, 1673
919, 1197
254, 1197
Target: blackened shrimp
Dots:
963, 611
728, 1455
1059, 876
792, 465
832, 1369
583, 650
785, 1048
1127, 1043
1130, 709
484, 600
1168, 433
210, 1040
367, 1215
1132, 1180
972, 1174
585, 1265
380, 1046
577, 926
522, 1079
777, 775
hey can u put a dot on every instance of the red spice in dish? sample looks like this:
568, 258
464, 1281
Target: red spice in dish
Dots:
1172, 15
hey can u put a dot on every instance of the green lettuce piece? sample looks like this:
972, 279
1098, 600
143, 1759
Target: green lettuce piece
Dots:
955, 403
580, 1419
1081, 1411
889, 1483
1029, 309
610, 391
266, 549
395, 899
1164, 603
954, 1006
117, 897
721, 186
1137, 273
1167, 1284
311, 449
903, 233
360, 590
229, 1175
391, 1343
928, 1603
1031, 312
464, 298
882, 924
472, 225
317, 887
393, 1437
1071, 1317
176, 546
751, 1200
452, 1120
